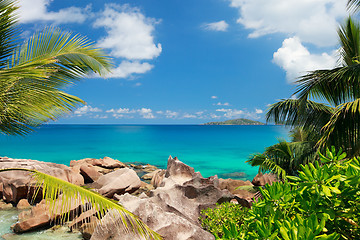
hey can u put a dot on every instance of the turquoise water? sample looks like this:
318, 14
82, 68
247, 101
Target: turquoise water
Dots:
209, 149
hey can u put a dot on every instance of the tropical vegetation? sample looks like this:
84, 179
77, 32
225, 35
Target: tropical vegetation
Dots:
33, 76
322, 202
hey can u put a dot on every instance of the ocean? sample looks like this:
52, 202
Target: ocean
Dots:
210, 149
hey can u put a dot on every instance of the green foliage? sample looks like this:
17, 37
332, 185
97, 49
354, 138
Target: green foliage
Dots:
321, 202
284, 158
224, 220
34, 74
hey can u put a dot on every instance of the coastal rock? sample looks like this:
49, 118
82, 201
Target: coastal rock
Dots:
178, 171
5, 206
23, 204
105, 162
43, 215
150, 175
262, 179
90, 173
168, 224
120, 181
158, 177
232, 185
19, 184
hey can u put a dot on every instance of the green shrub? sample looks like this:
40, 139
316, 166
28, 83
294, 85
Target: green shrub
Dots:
223, 220
322, 202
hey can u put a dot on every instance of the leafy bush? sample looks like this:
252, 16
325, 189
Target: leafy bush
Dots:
322, 202
224, 220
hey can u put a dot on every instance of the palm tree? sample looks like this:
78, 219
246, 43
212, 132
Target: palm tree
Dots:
337, 122
284, 158
33, 76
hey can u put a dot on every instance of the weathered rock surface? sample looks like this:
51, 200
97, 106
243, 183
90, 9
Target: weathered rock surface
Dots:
4, 205
157, 178
90, 173
120, 181
42, 215
178, 171
105, 162
173, 208
18, 185
150, 175
262, 179
23, 204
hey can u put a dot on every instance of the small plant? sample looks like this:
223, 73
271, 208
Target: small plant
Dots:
224, 220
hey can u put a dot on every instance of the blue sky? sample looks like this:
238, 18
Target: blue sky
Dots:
192, 61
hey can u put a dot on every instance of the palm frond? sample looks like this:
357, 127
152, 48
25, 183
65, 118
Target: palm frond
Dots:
8, 30
342, 130
52, 187
353, 5
31, 87
309, 115
340, 84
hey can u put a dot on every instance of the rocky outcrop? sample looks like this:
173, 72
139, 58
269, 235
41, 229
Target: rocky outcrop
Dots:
157, 178
262, 179
23, 204
18, 185
173, 208
105, 162
43, 214
119, 182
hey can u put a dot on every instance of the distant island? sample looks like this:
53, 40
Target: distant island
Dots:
239, 121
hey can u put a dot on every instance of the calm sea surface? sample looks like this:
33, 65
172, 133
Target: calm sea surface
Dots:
209, 149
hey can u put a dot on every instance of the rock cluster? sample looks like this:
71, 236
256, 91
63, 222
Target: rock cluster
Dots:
169, 202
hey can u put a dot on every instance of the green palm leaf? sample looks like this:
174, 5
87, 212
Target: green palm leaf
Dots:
70, 193
31, 86
353, 5
309, 115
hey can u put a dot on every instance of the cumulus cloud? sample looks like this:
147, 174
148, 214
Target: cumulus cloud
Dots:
236, 113
312, 21
214, 97
37, 10
127, 68
171, 114
146, 113
186, 115
222, 104
121, 110
296, 59
258, 111
129, 33
220, 26
86, 109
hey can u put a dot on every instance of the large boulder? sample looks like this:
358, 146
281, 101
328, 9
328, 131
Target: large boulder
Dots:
169, 225
158, 177
178, 171
43, 214
173, 209
263, 179
105, 162
18, 185
119, 182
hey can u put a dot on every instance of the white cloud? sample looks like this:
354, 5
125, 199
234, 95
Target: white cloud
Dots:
129, 33
312, 21
146, 113
36, 10
127, 68
86, 109
186, 115
236, 113
214, 97
100, 116
171, 114
121, 110
222, 104
258, 111
216, 26
296, 60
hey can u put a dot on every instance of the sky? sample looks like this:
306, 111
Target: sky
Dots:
192, 61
